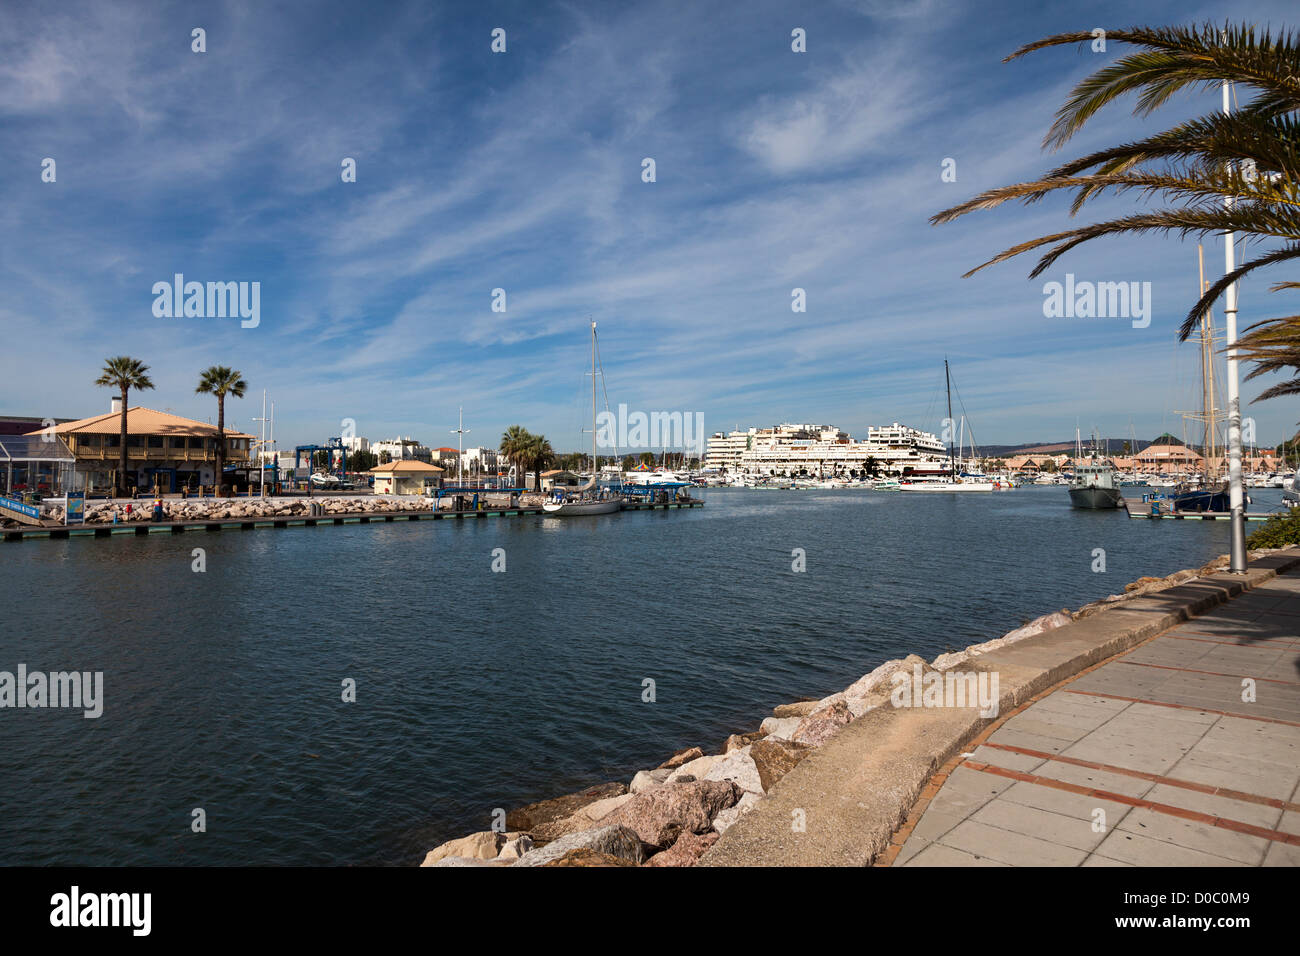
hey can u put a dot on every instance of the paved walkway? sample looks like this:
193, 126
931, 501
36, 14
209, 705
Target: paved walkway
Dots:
1149, 759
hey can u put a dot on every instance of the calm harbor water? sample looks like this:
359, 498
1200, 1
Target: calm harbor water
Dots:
478, 690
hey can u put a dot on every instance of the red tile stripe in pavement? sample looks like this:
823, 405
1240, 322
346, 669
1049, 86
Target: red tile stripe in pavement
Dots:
1241, 795
887, 856
1239, 642
1275, 639
1277, 836
1193, 670
1199, 710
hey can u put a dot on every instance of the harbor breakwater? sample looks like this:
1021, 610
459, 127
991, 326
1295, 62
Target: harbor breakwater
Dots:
229, 509
673, 814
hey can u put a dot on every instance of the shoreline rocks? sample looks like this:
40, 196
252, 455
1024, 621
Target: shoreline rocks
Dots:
536, 814
671, 815
616, 841
262, 509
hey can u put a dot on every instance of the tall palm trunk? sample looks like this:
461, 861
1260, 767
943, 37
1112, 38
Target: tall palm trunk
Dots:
122, 458
221, 441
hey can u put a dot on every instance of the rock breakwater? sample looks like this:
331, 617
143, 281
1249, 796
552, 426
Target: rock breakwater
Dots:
671, 815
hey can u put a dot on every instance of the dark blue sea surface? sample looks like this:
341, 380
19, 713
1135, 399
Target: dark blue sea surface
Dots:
478, 690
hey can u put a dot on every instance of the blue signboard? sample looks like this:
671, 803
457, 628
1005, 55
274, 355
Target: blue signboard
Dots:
30, 510
75, 512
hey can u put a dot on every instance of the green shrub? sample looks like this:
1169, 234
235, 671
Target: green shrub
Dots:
1277, 532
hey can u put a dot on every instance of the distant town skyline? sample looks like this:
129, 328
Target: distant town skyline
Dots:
517, 180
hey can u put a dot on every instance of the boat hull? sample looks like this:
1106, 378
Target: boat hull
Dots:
1194, 501
946, 486
574, 509
1095, 497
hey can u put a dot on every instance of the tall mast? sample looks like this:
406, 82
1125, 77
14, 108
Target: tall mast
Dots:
593, 404
947, 384
460, 431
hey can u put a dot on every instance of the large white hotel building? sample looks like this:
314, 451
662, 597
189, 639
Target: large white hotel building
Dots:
788, 449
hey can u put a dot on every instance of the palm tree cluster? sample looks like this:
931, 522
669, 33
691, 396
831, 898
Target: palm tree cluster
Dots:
1217, 173
526, 451
125, 373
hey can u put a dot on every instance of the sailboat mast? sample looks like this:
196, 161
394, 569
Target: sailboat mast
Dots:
947, 384
593, 404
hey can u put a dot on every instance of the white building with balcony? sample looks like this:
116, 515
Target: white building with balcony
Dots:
824, 450
402, 449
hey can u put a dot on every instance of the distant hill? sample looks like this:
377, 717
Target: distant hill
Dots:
1116, 445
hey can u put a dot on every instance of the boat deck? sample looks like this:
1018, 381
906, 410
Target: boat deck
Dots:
1192, 515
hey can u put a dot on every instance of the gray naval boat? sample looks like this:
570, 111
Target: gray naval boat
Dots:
1095, 485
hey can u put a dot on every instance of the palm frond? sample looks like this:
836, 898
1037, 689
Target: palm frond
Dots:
1171, 59
1220, 286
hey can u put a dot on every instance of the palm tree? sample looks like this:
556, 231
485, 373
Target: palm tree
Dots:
221, 381
1236, 172
513, 444
539, 454
123, 373
1273, 345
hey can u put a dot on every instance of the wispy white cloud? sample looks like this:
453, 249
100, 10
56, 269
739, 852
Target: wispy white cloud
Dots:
522, 171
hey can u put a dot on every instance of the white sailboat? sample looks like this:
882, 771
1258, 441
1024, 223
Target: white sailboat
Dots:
955, 482
587, 499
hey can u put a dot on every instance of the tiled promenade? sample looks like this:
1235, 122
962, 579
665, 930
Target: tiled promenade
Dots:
1150, 759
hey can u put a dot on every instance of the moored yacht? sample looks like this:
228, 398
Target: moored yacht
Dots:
1095, 485
953, 481
589, 498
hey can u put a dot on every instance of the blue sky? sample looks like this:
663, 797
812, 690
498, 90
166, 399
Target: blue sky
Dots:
522, 171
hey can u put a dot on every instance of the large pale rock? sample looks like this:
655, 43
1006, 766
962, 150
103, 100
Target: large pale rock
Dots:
661, 815
516, 845
738, 768
584, 819
1143, 582
780, 727
681, 757
479, 846
688, 848
616, 840
585, 857
465, 861
648, 779
696, 769
535, 814
800, 708
821, 726
730, 815
881, 679
1038, 625
773, 759
948, 661
860, 705
740, 741
603, 808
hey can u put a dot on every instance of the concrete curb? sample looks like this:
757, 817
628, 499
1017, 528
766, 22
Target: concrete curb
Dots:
856, 790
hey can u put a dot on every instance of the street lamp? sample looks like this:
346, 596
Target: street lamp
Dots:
1236, 505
